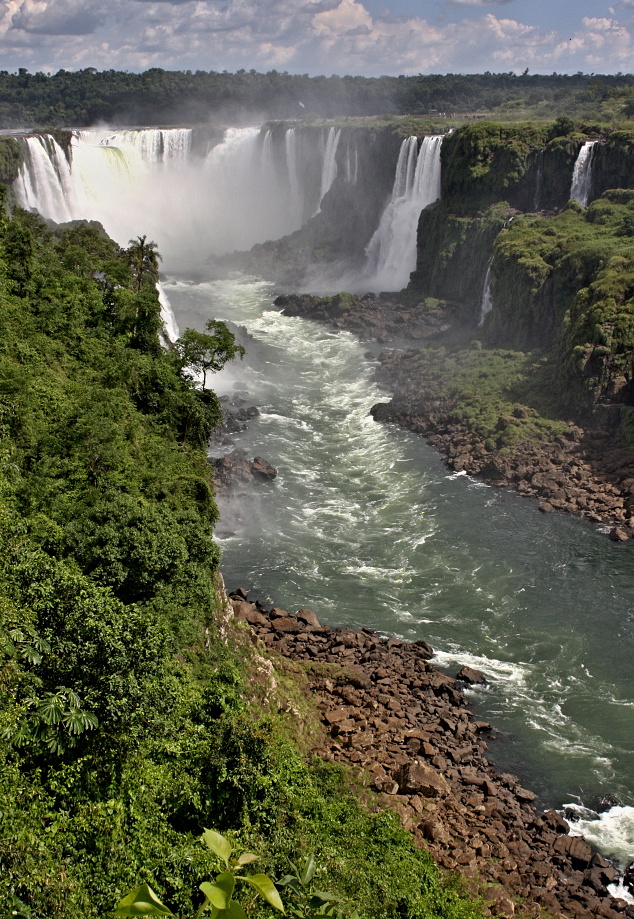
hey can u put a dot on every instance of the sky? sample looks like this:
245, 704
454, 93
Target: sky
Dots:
368, 37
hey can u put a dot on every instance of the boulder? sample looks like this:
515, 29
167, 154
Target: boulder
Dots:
262, 469
290, 624
617, 534
249, 613
308, 616
470, 675
575, 848
414, 778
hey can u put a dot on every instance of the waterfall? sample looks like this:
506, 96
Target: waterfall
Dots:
539, 181
292, 165
486, 301
581, 185
352, 163
251, 187
329, 167
44, 182
391, 253
167, 315
153, 144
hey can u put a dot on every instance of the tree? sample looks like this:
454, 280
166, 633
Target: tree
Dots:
144, 259
208, 352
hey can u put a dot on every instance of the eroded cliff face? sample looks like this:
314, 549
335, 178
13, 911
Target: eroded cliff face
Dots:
613, 163
340, 226
453, 254
561, 276
491, 172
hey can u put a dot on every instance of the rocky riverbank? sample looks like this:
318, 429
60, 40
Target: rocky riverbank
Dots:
584, 471
408, 730
379, 317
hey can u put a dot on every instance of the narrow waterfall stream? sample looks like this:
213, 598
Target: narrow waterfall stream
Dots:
364, 524
391, 253
581, 185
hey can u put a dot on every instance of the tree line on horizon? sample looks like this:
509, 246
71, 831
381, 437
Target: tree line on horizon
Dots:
157, 96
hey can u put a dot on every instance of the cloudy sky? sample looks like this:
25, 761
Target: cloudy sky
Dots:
370, 37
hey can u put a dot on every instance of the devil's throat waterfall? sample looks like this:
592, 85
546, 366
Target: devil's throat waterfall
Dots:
364, 523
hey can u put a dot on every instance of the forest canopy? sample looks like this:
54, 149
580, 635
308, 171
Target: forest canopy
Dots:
157, 96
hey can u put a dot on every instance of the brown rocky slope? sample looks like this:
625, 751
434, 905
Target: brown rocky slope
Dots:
409, 731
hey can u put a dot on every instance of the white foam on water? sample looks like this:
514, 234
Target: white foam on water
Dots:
611, 832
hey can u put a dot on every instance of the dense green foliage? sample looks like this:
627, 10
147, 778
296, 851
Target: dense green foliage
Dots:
485, 162
11, 158
124, 725
162, 97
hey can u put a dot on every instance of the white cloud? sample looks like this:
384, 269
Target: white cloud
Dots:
478, 2
313, 36
58, 17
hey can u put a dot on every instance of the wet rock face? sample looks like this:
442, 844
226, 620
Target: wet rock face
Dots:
236, 470
380, 317
408, 729
236, 414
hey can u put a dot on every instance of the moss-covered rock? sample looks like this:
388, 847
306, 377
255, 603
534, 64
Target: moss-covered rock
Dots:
488, 162
11, 158
613, 163
453, 254
567, 284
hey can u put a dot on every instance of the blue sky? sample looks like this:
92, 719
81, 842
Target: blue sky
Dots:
370, 37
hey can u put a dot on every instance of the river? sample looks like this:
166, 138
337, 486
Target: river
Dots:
366, 525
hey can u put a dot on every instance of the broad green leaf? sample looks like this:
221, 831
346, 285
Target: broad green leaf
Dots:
142, 902
266, 888
235, 911
289, 880
327, 896
246, 858
309, 870
218, 844
219, 894
321, 898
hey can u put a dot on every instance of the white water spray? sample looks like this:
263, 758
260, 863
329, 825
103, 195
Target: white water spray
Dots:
611, 832
391, 253
248, 189
329, 168
581, 185
168, 318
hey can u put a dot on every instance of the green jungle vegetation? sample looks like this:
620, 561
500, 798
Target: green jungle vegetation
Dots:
559, 342
566, 284
134, 715
506, 397
157, 96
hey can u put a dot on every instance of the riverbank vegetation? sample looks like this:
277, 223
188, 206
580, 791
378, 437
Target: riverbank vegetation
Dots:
133, 713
